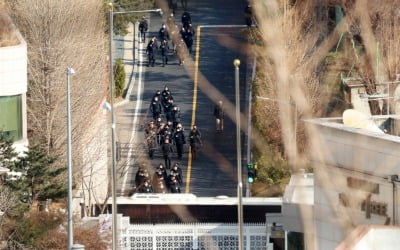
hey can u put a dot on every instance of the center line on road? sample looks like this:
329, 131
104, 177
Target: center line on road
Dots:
194, 105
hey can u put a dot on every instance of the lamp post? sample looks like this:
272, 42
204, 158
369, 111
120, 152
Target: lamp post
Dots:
69, 160
295, 115
113, 142
236, 63
111, 14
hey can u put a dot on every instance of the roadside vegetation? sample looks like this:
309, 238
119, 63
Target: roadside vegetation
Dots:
304, 50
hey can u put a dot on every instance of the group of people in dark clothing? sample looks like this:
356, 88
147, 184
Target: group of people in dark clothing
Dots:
161, 181
182, 39
165, 129
165, 133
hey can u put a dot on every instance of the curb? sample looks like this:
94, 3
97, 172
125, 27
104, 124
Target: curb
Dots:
130, 81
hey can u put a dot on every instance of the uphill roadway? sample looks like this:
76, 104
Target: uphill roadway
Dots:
196, 86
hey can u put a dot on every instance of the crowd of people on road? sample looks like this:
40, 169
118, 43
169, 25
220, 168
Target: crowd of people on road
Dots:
181, 39
161, 181
164, 134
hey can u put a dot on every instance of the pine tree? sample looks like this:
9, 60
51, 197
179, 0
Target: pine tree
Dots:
7, 152
38, 181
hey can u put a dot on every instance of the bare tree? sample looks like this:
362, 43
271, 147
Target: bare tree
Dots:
294, 35
62, 34
8, 201
374, 25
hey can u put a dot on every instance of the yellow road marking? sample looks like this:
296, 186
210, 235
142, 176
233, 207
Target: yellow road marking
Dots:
194, 105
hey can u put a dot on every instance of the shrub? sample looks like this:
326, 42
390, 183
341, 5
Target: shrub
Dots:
119, 77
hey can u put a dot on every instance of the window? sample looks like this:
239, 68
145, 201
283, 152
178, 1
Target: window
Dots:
11, 116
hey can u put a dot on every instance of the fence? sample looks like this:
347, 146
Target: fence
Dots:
201, 236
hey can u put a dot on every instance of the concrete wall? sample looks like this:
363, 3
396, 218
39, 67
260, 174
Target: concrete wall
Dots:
349, 177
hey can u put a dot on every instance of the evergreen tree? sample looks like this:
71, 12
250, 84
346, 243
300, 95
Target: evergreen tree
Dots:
38, 181
7, 152
119, 77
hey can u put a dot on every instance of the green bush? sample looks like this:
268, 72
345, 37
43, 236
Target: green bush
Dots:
273, 174
119, 77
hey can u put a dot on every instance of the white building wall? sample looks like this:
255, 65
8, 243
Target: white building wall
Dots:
14, 80
360, 155
13, 69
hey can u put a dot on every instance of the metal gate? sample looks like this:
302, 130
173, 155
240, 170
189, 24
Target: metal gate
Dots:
201, 236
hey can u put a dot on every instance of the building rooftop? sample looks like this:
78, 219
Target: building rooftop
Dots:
388, 124
356, 147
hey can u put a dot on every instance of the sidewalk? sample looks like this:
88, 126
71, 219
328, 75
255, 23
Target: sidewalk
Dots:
127, 110
130, 59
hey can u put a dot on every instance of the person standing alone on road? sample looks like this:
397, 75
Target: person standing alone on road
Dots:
248, 15
195, 141
219, 116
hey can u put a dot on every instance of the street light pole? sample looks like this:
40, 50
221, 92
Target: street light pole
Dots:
236, 63
114, 211
113, 142
69, 161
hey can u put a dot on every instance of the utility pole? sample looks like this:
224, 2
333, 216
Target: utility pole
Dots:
236, 63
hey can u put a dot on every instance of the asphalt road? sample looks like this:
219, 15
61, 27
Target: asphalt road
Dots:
214, 171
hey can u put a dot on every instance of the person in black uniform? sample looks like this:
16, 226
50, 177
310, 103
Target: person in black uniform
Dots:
146, 187
179, 138
189, 37
195, 141
141, 176
166, 94
163, 33
248, 15
219, 116
176, 116
186, 19
177, 172
155, 108
143, 26
168, 109
150, 49
167, 150
164, 52
161, 168
173, 185
158, 95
